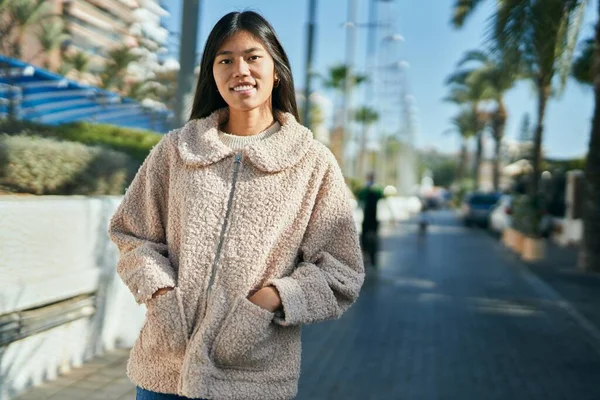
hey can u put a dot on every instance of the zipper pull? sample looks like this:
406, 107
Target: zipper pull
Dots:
238, 158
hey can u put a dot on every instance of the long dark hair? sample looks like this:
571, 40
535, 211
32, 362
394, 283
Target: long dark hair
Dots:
208, 99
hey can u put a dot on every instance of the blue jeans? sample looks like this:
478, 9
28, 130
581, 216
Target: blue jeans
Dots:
143, 394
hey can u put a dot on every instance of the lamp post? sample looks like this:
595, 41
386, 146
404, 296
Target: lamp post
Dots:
312, 13
387, 65
187, 60
350, 26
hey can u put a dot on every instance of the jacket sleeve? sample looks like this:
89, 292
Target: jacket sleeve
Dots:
331, 272
138, 228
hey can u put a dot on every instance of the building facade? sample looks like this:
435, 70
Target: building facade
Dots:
94, 27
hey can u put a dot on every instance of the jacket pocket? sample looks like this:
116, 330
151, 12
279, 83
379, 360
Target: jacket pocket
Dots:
245, 340
165, 328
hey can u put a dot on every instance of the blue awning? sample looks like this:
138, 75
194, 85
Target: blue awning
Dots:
41, 96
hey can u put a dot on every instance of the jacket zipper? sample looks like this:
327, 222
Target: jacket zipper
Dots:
213, 270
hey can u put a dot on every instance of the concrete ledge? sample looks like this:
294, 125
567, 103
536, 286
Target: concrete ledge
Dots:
54, 248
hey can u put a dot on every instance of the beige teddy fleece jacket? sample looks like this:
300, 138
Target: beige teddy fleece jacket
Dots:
217, 225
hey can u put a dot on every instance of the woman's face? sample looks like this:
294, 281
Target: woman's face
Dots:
244, 72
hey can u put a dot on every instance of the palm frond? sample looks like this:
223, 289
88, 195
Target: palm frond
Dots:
574, 19
462, 10
51, 35
474, 56
366, 115
582, 69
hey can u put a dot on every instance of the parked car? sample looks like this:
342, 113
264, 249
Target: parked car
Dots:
477, 207
501, 215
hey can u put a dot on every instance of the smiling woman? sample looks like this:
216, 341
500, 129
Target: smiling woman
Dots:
235, 232
243, 49
245, 75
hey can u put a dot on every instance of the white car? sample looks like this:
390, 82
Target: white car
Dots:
501, 215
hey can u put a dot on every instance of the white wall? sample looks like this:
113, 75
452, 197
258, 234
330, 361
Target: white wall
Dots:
569, 233
53, 248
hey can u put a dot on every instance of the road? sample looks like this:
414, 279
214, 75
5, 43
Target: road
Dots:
450, 316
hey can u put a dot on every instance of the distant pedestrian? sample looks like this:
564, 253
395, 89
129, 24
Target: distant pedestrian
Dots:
368, 198
423, 218
236, 231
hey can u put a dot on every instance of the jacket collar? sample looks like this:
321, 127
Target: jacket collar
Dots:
199, 144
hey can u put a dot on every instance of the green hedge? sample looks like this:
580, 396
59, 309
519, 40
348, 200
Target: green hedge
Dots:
136, 143
45, 166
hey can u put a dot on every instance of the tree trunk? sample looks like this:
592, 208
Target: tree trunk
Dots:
362, 157
478, 154
462, 162
499, 127
589, 257
543, 94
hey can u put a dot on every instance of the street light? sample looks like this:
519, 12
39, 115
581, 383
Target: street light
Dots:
312, 15
386, 64
187, 60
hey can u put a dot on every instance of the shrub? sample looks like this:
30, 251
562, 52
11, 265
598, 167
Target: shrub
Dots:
30, 164
528, 212
137, 143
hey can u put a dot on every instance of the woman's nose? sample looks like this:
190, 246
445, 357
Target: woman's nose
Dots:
241, 68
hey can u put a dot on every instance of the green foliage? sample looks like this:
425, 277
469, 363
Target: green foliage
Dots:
336, 79
136, 143
564, 165
583, 65
464, 186
115, 69
527, 215
43, 166
366, 115
355, 185
17, 17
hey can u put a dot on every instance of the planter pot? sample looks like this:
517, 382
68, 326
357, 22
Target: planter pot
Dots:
518, 242
533, 249
508, 237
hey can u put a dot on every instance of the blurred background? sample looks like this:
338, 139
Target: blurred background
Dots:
479, 119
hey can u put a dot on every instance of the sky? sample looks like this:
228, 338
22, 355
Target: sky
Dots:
432, 47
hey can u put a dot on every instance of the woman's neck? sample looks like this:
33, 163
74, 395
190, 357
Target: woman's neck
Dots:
248, 123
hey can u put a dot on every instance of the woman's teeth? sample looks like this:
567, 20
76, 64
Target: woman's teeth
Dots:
243, 88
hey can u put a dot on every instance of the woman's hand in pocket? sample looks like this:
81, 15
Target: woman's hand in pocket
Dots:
267, 298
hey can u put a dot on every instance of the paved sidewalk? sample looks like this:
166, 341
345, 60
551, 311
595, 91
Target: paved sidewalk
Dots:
102, 378
579, 288
448, 316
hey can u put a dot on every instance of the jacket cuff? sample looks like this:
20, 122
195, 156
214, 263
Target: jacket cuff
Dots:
292, 299
146, 281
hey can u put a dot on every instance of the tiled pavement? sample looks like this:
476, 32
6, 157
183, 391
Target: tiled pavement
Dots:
103, 378
448, 316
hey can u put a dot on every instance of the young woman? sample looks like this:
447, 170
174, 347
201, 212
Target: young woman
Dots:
235, 232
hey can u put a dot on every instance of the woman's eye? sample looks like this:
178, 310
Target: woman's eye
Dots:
224, 61
252, 58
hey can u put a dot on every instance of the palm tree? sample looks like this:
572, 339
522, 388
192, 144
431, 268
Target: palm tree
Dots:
50, 36
19, 16
586, 70
365, 116
78, 61
116, 66
464, 123
467, 89
336, 80
497, 76
542, 35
